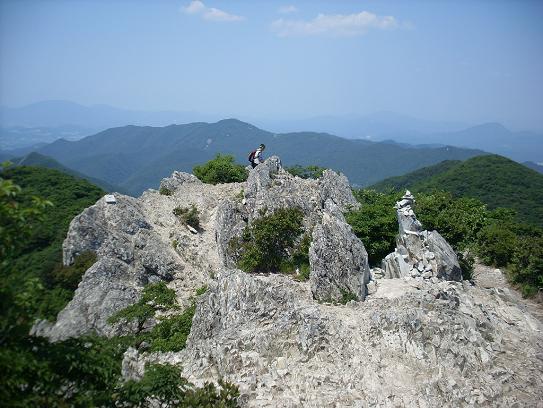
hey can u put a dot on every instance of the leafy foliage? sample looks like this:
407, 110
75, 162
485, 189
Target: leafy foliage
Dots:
165, 191
156, 296
83, 372
165, 383
492, 179
466, 223
269, 242
171, 333
16, 216
222, 169
306, 172
68, 277
375, 223
188, 216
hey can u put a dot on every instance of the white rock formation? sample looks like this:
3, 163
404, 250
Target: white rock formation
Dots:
419, 253
411, 343
139, 241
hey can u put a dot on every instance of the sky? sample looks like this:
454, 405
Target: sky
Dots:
468, 61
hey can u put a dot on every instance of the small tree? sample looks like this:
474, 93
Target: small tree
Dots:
188, 216
222, 169
269, 241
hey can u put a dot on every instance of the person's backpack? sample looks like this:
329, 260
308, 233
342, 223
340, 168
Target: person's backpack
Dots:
252, 156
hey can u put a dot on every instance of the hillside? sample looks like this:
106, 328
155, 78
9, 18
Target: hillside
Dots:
42, 251
39, 160
136, 158
495, 180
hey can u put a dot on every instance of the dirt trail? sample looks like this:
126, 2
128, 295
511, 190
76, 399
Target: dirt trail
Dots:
488, 277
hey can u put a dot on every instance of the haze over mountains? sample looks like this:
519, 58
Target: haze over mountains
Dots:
46, 121
136, 158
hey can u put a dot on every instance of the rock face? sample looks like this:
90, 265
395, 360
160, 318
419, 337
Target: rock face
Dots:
418, 253
338, 259
140, 241
412, 343
270, 187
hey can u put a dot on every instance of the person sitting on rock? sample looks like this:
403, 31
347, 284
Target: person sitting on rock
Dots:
256, 156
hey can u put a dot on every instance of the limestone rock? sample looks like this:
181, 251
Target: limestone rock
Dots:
177, 179
133, 240
338, 260
336, 187
419, 253
446, 261
409, 344
229, 223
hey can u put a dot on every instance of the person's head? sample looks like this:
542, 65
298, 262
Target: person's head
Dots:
262, 147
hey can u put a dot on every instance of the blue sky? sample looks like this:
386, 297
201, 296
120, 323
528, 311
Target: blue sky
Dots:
469, 61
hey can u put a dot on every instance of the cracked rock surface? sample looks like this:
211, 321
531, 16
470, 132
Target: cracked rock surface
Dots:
411, 343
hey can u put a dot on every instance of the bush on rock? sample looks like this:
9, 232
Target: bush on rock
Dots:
222, 169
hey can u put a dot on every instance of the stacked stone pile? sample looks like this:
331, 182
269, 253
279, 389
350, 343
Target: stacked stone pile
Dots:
419, 253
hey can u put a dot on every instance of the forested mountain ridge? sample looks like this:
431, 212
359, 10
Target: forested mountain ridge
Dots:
39, 160
136, 158
495, 180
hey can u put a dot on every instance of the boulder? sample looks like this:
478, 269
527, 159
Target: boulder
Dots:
445, 262
177, 179
419, 253
338, 261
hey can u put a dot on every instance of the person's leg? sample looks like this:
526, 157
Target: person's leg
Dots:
253, 164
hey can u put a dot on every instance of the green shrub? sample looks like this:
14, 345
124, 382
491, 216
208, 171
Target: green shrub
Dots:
466, 261
307, 172
222, 169
201, 290
68, 277
526, 267
165, 191
188, 216
347, 296
375, 223
155, 296
269, 241
165, 383
496, 244
171, 333
457, 220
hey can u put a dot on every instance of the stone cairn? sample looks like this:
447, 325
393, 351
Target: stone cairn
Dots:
419, 254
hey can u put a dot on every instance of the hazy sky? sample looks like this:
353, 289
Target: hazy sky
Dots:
472, 61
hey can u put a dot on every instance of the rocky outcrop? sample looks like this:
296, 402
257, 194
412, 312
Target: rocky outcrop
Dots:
130, 255
230, 221
139, 241
338, 260
418, 253
415, 342
412, 343
270, 187
177, 179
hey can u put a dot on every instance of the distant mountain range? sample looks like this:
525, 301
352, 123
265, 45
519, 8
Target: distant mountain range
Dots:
534, 166
495, 180
136, 158
43, 122
51, 114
